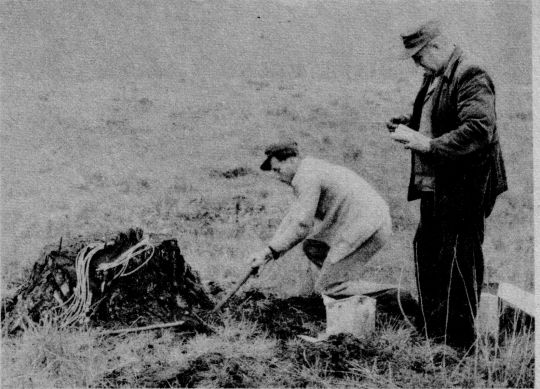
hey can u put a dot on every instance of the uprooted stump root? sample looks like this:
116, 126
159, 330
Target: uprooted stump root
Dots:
162, 287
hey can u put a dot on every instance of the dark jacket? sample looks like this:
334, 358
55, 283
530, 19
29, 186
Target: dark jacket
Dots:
465, 151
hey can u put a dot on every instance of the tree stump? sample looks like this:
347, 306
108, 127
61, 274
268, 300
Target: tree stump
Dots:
163, 289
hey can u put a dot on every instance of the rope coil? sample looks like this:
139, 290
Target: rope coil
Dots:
80, 302
123, 260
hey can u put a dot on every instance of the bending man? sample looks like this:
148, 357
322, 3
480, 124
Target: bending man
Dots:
341, 220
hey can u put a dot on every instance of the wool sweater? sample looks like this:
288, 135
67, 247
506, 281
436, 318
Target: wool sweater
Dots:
332, 204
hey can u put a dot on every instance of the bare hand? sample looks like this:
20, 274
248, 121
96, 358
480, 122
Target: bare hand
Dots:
419, 143
411, 139
259, 259
395, 121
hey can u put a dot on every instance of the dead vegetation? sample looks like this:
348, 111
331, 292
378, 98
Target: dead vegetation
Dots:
253, 343
169, 136
108, 288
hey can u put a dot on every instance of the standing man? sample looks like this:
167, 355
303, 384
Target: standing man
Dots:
457, 173
340, 218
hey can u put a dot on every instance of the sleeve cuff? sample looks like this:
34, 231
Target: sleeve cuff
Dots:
430, 144
275, 254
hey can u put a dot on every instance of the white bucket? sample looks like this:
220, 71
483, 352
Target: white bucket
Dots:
354, 315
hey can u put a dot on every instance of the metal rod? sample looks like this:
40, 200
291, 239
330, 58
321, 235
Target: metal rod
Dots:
145, 328
242, 281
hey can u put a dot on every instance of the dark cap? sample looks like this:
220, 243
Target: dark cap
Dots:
280, 150
420, 37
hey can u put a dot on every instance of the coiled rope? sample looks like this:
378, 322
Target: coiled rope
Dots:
123, 260
79, 303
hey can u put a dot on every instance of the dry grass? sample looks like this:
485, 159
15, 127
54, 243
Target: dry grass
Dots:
46, 357
133, 114
240, 354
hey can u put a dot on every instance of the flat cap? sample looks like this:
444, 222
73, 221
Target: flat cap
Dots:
415, 40
280, 150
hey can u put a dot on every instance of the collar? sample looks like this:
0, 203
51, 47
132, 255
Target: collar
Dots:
301, 163
448, 69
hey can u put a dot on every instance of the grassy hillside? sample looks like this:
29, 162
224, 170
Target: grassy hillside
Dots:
135, 113
118, 113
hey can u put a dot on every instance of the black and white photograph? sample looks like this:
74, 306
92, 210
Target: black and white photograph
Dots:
267, 193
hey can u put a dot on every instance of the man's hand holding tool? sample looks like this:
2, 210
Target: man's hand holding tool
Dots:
259, 259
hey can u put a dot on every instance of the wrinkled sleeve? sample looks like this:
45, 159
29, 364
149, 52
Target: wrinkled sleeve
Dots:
475, 116
300, 217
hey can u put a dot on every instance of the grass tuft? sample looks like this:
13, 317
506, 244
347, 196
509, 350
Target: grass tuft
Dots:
45, 356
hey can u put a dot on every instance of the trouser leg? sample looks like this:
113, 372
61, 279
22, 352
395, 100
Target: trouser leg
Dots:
316, 251
351, 267
467, 272
428, 271
449, 274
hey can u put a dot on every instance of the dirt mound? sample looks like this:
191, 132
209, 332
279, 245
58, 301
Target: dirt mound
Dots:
285, 318
117, 280
232, 173
282, 318
336, 353
224, 372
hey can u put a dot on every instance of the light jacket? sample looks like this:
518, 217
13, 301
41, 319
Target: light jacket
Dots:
333, 204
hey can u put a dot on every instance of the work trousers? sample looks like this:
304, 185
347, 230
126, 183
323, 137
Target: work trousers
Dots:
449, 273
349, 268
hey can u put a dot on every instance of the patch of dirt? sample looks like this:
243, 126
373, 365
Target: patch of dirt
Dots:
281, 318
258, 84
233, 210
285, 318
232, 173
397, 306
145, 101
285, 112
214, 368
336, 353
